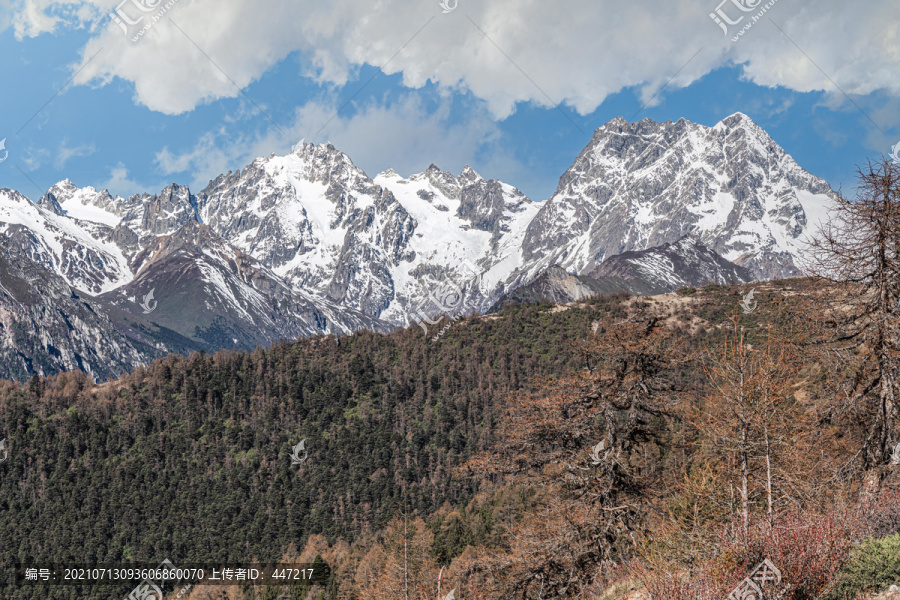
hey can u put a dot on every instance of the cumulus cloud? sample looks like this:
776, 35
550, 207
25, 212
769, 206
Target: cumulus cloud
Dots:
120, 183
504, 52
401, 135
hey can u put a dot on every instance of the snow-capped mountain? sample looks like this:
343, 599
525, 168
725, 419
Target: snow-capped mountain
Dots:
46, 325
380, 246
466, 243
209, 291
63, 245
308, 243
316, 220
638, 185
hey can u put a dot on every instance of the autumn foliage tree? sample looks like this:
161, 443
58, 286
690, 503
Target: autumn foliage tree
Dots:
749, 422
402, 567
587, 448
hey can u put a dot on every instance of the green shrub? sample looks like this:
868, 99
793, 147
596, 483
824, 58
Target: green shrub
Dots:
873, 567
686, 291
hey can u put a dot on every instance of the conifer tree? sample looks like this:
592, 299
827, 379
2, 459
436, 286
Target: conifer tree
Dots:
858, 252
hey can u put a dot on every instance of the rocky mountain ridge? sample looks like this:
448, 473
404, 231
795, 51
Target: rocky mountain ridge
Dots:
659, 270
308, 243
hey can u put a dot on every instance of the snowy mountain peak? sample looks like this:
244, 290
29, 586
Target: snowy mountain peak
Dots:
66, 191
442, 181
86, 204
639, 185
307, 242
469, 176
737, 117
740, 121
168, 211
64, 188
61, 245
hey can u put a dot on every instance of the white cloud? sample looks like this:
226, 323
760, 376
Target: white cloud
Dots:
31, 18
401, 136
33, 158
572, 51
34, 18
120, 183
213, 154
64, 153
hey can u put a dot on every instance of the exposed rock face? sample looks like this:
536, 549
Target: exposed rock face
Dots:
639, 185
554, 285
666, 268
659, 270
892, 593
46, 326
308, 243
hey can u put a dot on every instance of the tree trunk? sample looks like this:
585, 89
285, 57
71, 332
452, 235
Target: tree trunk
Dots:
745, 477
768, 470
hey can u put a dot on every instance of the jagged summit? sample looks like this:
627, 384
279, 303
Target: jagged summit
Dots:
638, 185
312, 231
469, 174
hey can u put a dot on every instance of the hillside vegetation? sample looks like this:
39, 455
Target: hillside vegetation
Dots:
727, 441
409, 439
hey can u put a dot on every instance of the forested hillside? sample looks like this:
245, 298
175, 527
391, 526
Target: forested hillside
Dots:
190, 457
667, 447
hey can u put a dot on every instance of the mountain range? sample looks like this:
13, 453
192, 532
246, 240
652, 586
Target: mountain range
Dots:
308, 244
658, 270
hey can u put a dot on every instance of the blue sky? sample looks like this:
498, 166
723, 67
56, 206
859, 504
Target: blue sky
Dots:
515, 89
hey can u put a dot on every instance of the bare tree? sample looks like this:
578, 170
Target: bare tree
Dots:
858, 252
749, 423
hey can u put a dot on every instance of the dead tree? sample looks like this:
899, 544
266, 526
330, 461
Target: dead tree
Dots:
858, 253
